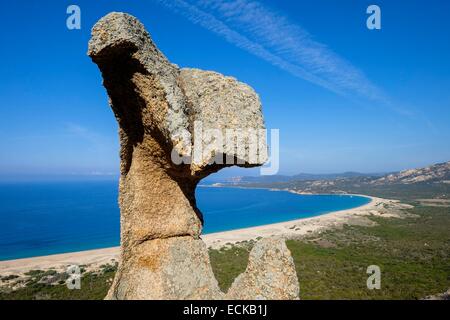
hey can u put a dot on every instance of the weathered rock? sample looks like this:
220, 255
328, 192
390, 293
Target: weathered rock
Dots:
159, 108
173, 268
270, 274
442, 296
222, 104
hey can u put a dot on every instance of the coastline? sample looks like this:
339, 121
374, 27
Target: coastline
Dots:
93, 259
301, 227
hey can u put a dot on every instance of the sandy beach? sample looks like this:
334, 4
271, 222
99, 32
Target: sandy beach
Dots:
92, 259
301, 227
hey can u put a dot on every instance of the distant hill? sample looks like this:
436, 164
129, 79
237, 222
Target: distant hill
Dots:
297, 177
438, 173
428, 182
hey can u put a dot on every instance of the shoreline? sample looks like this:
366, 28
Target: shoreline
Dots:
301, 227
93, 259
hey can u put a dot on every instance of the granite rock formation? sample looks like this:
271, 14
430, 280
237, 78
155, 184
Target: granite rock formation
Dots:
270, 274
176, 126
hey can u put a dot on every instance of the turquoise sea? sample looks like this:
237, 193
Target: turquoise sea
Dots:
42, 218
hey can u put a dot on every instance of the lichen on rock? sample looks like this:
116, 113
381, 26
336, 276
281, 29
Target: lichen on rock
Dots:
176, 126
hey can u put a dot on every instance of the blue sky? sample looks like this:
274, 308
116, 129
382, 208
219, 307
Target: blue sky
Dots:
345, 98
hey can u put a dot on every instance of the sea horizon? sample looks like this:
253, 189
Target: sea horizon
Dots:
53, 217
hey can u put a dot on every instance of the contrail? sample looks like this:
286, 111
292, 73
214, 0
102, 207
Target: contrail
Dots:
270, 36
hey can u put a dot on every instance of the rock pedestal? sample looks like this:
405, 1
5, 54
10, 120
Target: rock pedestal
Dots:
176, 126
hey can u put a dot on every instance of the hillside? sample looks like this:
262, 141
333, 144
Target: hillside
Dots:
297, 177
428, 182
439, 173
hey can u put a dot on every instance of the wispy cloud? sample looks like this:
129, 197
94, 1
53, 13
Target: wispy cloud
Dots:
272, 37
93, 138
82, 132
